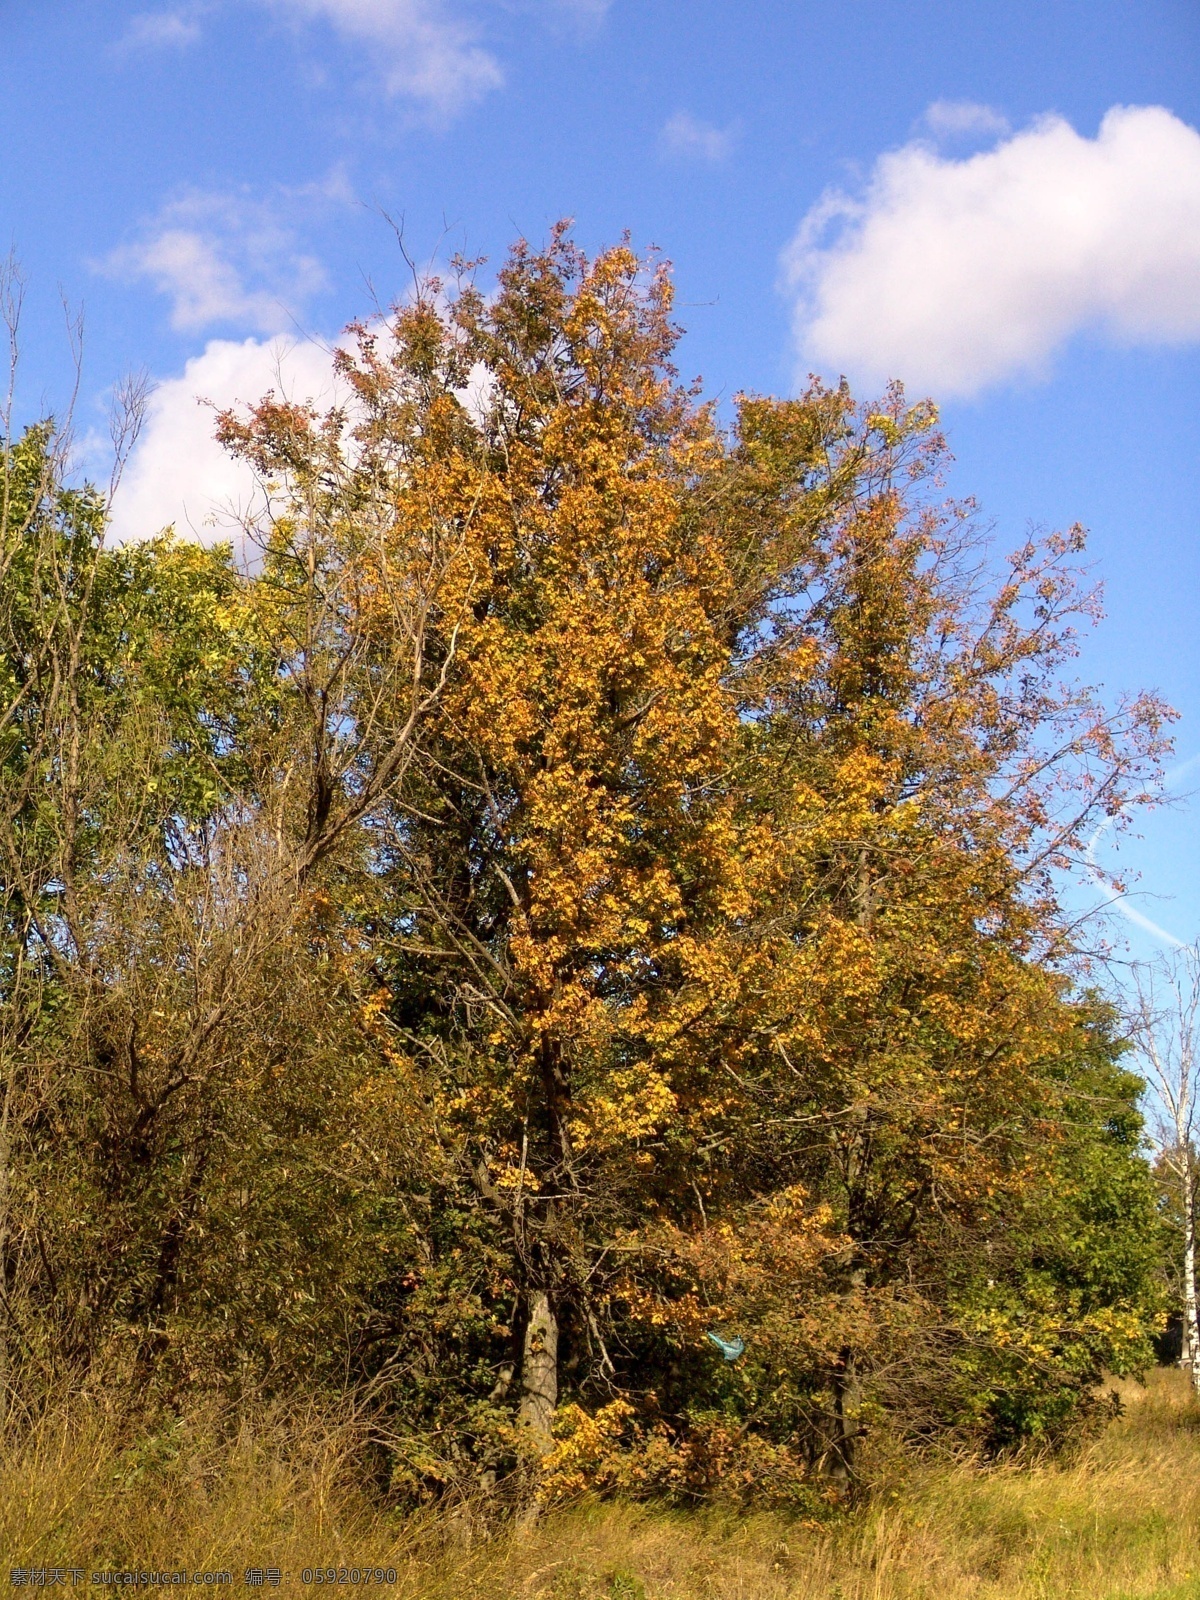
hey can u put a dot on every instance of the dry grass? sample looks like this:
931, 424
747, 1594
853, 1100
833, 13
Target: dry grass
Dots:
1121, 1522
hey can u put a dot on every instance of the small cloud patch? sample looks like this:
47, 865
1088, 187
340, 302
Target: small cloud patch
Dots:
685, 137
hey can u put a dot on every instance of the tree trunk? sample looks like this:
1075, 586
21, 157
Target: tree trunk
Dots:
847, 1399
1190, 1356
539, 1372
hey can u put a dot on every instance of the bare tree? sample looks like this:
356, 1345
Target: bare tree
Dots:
1165, 1028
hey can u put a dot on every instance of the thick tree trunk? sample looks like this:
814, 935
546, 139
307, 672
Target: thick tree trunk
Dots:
1190, 1357
539, 1372
847, 1396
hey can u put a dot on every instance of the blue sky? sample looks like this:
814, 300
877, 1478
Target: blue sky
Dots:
935, 191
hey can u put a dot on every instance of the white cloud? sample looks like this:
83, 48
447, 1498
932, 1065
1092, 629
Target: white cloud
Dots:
158, 29
178, 473
424, 50
685, 135
575, 16
226, 258
425, 53
175, 27
953, 275
959, 118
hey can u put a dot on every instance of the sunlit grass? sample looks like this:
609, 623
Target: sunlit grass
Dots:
1120, 1522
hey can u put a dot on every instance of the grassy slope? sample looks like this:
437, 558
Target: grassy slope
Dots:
1122, 1521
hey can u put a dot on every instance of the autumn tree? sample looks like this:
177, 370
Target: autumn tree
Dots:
726, 867
927, 778
589, 883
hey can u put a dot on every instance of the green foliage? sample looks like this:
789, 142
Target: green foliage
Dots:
1069, 1284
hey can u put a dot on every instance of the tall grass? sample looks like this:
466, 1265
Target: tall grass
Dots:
1120, 1520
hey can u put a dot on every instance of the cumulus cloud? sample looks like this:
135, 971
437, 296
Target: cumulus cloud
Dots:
226, 259
686, 136
427, 54
956, 274
178, 473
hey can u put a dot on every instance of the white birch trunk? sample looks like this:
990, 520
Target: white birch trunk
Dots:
1165, 1027
1190, 1357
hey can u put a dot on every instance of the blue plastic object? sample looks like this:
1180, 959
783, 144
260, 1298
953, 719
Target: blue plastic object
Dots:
731, 1349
